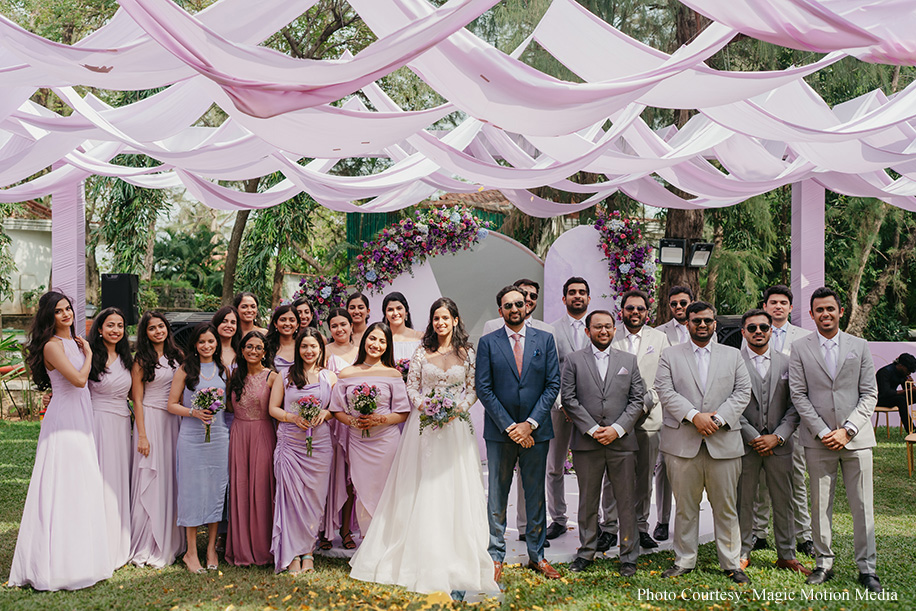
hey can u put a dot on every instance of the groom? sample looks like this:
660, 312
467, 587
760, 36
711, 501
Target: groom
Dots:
518, 378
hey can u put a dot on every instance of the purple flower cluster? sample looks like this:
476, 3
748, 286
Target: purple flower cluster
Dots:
428, 233
631, 260
323, 293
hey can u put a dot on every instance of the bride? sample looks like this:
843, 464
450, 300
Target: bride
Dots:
429, 532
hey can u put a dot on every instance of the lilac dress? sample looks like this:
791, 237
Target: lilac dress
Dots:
371, 457
281, 365
63, 539
302, 480
111, 425
155, 538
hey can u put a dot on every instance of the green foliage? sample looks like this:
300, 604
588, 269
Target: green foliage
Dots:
191, 258
147, 298
30, 298
7, 264
207, 302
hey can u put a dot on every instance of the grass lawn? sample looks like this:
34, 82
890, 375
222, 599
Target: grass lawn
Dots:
599, 588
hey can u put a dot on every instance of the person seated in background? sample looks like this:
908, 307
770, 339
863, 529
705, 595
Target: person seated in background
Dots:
891, 379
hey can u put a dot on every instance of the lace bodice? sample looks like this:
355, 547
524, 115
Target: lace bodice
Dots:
428, 373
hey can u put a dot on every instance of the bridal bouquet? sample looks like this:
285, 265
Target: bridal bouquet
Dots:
210, 399
439, 408
309, 408
362, 401
403, 365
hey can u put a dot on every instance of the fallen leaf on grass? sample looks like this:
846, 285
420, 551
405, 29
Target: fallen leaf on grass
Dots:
288, 596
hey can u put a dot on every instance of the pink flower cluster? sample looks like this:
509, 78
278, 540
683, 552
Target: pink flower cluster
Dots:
631, 261
324, 293
309, 408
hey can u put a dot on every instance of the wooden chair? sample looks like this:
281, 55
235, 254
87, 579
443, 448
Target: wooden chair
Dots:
909, 390
887, 411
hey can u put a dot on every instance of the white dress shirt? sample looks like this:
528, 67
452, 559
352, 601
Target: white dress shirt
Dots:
633, 341
601, 362
761, 362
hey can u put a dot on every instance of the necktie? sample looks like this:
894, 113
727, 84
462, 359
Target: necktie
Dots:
602, 364
578, 327
830, 357
682, 333
634, 343
780, 338
702, 366
517, 351
761, 364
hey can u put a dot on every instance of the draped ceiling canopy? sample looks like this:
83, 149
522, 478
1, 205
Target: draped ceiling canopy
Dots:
517, 128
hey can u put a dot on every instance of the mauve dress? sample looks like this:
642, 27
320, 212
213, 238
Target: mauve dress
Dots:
155, 538
203, 468
63, 539
371, 457
340, 477
281, 365
302, 480
111, 427
251, 473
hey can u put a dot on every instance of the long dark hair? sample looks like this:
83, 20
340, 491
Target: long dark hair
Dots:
399, 298
297, 371
146, 355
238, 300
237, 381
192, 362
304, 301
388, 356
459, 336
100, 351
218, 319
40, 333
272, 341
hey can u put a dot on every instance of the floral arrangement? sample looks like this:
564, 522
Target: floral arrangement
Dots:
631, 261
439, 408
210, 399
403, 365
323, 293
430, 232
362, 401
309, 408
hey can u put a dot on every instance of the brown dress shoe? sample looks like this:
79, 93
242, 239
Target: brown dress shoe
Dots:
543, 567
793, 565
497, 571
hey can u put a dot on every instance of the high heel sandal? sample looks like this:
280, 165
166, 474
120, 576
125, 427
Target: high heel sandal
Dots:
348, 541
311, 559
324, 543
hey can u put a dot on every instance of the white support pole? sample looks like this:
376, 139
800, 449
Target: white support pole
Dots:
808, 207
68, 248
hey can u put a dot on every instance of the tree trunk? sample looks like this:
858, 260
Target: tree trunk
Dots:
870, 234
93, 288
898, 257
712, 273
148, 259
235, 243
277, 293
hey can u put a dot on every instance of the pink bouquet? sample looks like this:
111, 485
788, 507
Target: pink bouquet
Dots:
403, 365
362, 401
439, 408
210, 399
309, 408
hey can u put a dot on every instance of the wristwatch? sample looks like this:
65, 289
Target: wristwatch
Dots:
719, 422
779, 440
850, 431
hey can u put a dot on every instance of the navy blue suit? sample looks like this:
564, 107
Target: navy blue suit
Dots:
507, 399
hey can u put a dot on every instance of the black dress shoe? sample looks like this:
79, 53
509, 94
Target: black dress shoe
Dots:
870, 582
819, 576
646, 541
760, 543
555, 530
806, 548
579, 564
627, 569
606, 541
675, 571
738, 576
661, 532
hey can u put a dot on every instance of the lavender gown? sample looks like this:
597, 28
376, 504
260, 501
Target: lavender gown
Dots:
111, 426
63, 539
302, 480
281, 365
155, 538
371, 457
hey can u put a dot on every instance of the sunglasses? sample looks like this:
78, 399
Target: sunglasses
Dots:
518, 305
753, 328
683, 303
630, 308
702, 321
532, 296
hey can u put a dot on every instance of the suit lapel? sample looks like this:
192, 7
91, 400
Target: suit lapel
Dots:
814, 344
842, 351
613, 366
691, 359
505, 346
776, 361
592, 367
531, 338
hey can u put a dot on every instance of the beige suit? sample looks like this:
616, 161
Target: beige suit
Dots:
696, 462
827, 403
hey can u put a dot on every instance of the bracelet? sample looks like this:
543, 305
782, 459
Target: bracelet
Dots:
190, 412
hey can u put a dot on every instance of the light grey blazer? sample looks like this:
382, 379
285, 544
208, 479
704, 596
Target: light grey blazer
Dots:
651, 344
823, 402
670, 330
589, 401
780, 418
728, 392
496, 323
793, 334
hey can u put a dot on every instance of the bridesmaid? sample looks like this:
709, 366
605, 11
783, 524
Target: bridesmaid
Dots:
63, 539
342, 351
246, 304
226, 321
307, 316
302, 477
358, 308
281, 337
251, 453
202, 466
155, 538
373, 438
406, 339
109, 387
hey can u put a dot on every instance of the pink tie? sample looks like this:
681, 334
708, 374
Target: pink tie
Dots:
517, 351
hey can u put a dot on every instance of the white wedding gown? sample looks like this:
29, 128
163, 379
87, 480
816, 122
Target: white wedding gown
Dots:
429, 532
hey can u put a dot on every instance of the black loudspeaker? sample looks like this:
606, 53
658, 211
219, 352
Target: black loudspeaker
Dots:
120, 291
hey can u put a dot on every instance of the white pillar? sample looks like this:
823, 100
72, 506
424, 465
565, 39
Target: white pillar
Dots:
808, 205
68, 248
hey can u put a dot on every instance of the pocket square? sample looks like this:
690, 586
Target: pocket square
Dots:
623, 371
851, 356
650, 349
784, 376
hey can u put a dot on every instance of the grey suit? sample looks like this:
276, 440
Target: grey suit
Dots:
696, 462
648, 353
827, 404
770, 411
618, 400
496, 323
